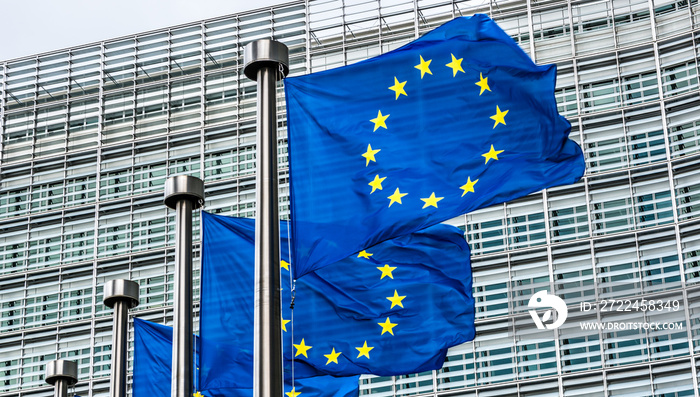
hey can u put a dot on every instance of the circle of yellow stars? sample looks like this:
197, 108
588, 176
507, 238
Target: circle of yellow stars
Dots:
387, 327
370, 156
380, 122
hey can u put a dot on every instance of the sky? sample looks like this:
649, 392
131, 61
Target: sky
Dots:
35, 26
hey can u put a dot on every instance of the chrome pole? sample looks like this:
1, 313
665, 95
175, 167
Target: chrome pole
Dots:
121, 295
266, 61
183, 194
61, 374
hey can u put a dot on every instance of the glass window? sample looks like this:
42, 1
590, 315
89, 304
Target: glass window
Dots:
593, 27
485, 232
690, 246
495, 353
625, 347
459, 368
39, 348
652, 197
617, 268
573, 273
552, 34
490, 287
526, 225
580, 350
684, 127
611, 204
604, 145
529, 274
591, 385
673, 379
41, 304
687, 181
11, 311
636, 382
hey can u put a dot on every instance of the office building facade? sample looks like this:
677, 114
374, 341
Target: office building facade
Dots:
90, 133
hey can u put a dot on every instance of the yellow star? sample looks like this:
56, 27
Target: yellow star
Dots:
386, 271
369, 154
293, 393
284, 324
284, 264
499, 117
333, 357
364, 350
398, 88
483, 83
431, 201
395, 300
387, 326
424, 67
364, 254
197, 394
396, 197
492, 154
302, 348
380, 120
469, 186
376, 183
456, 65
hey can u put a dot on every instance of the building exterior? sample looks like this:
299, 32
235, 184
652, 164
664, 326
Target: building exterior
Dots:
89, 135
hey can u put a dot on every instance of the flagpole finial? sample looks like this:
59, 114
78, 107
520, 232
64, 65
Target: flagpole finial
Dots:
184, 187
61, 374
265, 52
121, 290
62, 369
120, 295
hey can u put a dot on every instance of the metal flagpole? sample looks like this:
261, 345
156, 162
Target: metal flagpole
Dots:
266, 61
183, 194
121, 295
61, 374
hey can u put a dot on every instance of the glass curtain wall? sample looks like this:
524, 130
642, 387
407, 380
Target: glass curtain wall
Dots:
89, 135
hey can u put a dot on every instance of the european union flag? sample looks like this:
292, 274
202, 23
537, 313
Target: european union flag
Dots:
393, 309
153, 344
457, 120
153, 352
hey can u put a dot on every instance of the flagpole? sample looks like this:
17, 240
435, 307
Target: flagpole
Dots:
267, 61
61, 374
121, 295
183, 194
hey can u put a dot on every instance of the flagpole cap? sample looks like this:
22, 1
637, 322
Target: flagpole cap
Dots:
184, 187
265, 53
121, 290
62, 369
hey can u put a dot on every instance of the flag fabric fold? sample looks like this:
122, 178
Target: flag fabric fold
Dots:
153, 344
454, 121
153, 352
395, 309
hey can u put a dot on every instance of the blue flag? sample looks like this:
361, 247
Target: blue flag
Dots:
153, 344
457, 120
393, 310
153, 353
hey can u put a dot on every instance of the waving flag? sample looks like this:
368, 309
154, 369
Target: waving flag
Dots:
153, 355
394, 309
153, 345
457, 120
